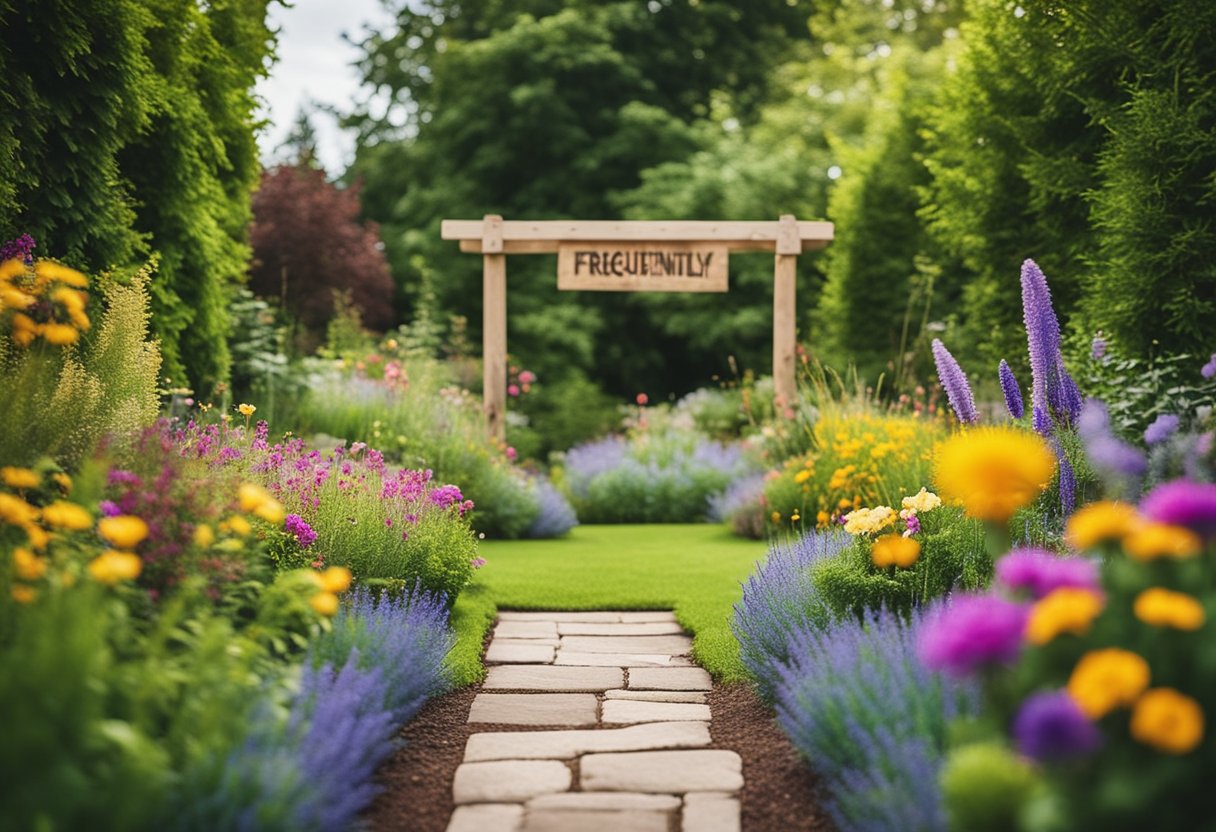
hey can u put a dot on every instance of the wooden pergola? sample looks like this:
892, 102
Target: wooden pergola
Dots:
494, 238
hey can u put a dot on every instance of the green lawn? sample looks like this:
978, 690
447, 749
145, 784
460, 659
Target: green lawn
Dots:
695, 570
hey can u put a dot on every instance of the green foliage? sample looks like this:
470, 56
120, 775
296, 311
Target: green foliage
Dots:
952, 557
560, 415
71, 397
984, 787
136, 136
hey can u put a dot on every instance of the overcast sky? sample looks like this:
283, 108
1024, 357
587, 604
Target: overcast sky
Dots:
315, 65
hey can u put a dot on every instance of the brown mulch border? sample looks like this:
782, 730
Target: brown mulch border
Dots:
778, 789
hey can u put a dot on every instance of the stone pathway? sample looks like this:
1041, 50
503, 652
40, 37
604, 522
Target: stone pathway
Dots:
637, 756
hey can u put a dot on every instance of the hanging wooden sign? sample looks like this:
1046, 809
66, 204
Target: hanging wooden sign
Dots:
642, 266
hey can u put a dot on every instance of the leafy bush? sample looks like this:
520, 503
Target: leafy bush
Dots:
871, 720
780, 599
742, 505
664, 472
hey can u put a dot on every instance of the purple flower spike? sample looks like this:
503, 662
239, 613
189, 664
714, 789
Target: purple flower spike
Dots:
1068, 484
1162, 428
972, 631
1053, 391
1183, 503
1039, 572
1013, 393
955, 381
1050, 726
1105, 451
1209, 370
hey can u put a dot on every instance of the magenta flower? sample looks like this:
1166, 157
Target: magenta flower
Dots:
954, 380
1038, 572
1050, 726
970, 632
446, 495
304, 534
512, 389
1183, 503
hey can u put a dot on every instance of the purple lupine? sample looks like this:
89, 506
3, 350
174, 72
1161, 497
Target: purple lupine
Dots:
970, 632
1050, 726
555, 517
303, 533
856, 702
954, 380
1104, 450
1162, 428
1038, 572
1067, 481
1183, 503
1013, 393
1053, 391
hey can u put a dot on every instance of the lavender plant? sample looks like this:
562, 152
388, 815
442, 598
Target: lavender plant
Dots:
555, 516
780, 599
871, 720
954, 380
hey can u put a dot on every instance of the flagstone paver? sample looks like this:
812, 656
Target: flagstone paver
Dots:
552, 677
642, 761
630, 711
677, 678
534, 708
566, 745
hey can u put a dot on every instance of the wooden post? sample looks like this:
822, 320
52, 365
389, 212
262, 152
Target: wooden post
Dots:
494, 326
789, 246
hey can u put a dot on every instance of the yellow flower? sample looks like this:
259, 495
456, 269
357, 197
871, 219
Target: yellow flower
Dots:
335, 579
1163, 608
1167, 720
993, 471
126, 531
11, 268
237, 525
271, 511
1149, 541
36, 535
204, 536
1099, 522
869, 520
251, 495
63, 481
14, 298
1064, 610
60, 334
822, 518
324, 603
802, 476
49, 272
27, 565
1107, 679
110, 567
19, 477
775, 517
895, 550
921, 501
69, 298
23, 594
246, 409
64, 515
16, 511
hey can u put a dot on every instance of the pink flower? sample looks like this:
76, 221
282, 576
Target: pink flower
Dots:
527, 377
512, 389
511, 453
642, 399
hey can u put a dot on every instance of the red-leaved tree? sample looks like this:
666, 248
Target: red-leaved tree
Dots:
308, 242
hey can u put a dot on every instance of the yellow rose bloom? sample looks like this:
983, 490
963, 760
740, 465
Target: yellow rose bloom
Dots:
110, 567
126, 531
246, 409
1163, 608
16, 511
923, 500
324, 603
1063, 610
993, 471
335, 579
23, 594
1150, 541
1168, 721
1099, 522
19, 477
1107, 679
61, 335
895, 550
27, 565
64, 515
